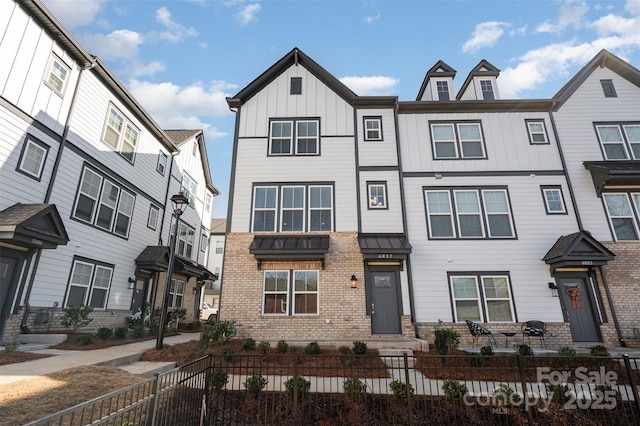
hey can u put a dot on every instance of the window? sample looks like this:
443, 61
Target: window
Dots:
277, 293
33, 157
219, 247
537, 132
104, 204
299, 208
189, 188
623, 210
162, 163
377, 195
296, 85
457, 140
484, 298
305, 138
468, 213
487, 90
620, 141
443, 90
207, 202
120, 134
186, 238
204, 240
194, 148
89, 283
608, 88
56, 76
553, 199
152, 220
176, 294
372, 128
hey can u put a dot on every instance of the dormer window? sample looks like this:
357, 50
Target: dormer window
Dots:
443, 90
608, 88
487, 90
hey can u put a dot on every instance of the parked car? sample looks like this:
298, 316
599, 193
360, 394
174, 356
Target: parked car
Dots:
207, 312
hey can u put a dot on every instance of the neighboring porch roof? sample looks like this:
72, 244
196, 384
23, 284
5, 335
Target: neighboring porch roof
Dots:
300, 247
613, 173
384, 246
156, 259
579, 249
32, 226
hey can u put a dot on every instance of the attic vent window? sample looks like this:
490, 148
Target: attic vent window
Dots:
296, 85
608, 89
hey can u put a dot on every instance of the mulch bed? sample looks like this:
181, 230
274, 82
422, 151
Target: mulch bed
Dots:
19, 356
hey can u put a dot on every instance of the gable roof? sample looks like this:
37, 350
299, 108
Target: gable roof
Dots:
218, 226
577, 250
440, 69
33, 226
294, 57
182, 136
604, 58
483, 69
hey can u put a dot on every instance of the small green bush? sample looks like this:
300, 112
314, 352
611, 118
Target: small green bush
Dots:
219, 379
345, 360
486, 351
359, 348
599, 350
154, 328
228, 355
446, 339
11, 347
354, 388
304, 386
454, 389
506, 395
474, 360
214, 332
524, 349
312, 348
401, 390
563, 359
566, 351
248, 344
104, 333
264, 346
604, 392
345, 350
559, 393
138, 330
255, 384
283, 347
85, 339
121, 333
76, 316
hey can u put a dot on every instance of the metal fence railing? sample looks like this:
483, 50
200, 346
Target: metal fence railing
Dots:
300, 389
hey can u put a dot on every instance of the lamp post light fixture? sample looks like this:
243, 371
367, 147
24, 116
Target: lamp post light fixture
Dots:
180, 203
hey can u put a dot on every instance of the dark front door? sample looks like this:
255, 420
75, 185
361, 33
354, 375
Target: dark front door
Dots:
577, 302
9, 267
385, 306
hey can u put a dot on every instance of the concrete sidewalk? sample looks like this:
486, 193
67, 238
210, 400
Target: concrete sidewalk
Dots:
61, 360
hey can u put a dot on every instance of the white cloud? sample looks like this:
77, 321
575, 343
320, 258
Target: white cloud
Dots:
248, 13
614, 24
119, 44
546, 27
370, 19
73, 13
485, 34
571, 14
371, 86
176, 32
633, 7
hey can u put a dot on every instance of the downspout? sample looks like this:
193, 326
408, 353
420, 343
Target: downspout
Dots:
613, 309
47, 196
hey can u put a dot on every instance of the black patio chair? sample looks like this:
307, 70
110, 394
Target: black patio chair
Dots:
534, 329
477, 330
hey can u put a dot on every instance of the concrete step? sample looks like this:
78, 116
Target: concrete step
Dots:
147, 369
122, 360
50, 339
394, 358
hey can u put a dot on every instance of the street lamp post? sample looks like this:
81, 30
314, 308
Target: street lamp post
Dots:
179, 202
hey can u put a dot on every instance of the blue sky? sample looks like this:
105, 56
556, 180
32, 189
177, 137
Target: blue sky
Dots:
181, 58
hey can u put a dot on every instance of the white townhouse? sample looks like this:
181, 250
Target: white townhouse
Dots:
363, 217
86, 177
217, 233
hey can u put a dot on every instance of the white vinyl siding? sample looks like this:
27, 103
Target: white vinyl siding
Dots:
89, 284
120, 134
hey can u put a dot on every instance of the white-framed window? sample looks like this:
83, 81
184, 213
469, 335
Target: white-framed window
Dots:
292, 208
537, 132
152, 220
33, 157
278, 293
619, 141
176, 294
487, 90
264, 208
103, 203
57, 74
623, 211
481, 297
207, 202
189, 188
457, 140
377, 192
372, 128
162, 163
442, 87
89, 283
219, 247
120, 134
474, 213
299, 136
204, 240
320, 208
553, 200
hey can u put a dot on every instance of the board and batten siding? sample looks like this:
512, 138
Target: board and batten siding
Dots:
521, 258
387, 220
377, 153
577, 134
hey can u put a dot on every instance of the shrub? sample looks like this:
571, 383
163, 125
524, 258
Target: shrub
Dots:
228, 355
599, 350
312, 348
121, 332
303, 387
486, 351
359, 348
104, 332
524, 349
154, 328
354, 389
76, 316
474, 360
85, 339
11, 347
255, 384
219, 379
605, 392
193, 325
180, 313
138, 330
454, 389
446, 339
559, 393
345, 350
283, 347
213, 332
401, 390
506, 395
264, 346
248, 344
564, 353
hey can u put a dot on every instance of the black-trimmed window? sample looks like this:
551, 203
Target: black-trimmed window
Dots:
296, 86
457, 140
377, 193
103, 203
120, 134
372, 128
89, 283
553, 199
608, 89
278, 292
469, 213
176, 294
204, 240
487, 90
619, 141
537, 132
623, 212
186, 238
442, 87
33, 157
162, 163
189, 188
292, 208
483, 297
152, 220
300, 136
57, 74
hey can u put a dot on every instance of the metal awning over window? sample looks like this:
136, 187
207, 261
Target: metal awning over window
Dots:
384, 247
290, 247
156, 259
32, 226
577, 250
613, 173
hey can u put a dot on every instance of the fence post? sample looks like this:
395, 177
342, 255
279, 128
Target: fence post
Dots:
207, 389
627, 366
156, 399
408, 389
523, 382
295, 386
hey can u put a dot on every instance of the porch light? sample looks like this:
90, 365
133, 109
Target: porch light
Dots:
554, 289
354, 281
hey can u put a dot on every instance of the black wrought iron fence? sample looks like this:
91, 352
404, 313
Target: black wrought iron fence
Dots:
301, 389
